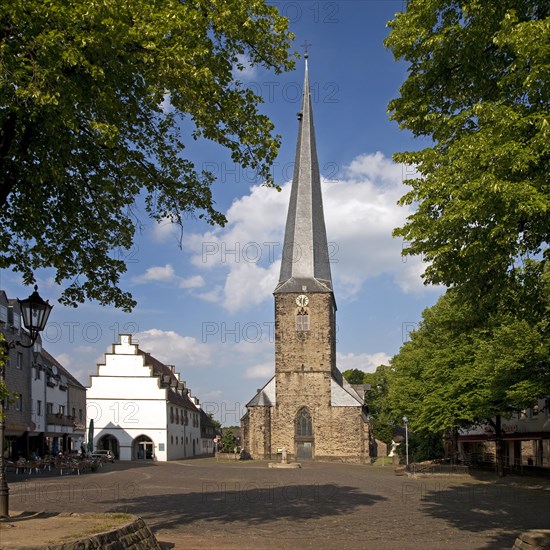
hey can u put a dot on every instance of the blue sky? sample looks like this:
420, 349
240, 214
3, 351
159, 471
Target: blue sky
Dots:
208, 307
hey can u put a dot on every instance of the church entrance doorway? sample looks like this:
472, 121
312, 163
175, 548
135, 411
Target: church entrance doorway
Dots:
304, 435
304, 450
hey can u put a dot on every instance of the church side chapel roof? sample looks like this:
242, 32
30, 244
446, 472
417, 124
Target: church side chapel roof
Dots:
342, 393
265, 397
305, 261
170, 381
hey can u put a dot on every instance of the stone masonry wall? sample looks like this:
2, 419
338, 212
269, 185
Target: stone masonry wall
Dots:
533, 540
257, 432
134, 535
304, 363
314, 348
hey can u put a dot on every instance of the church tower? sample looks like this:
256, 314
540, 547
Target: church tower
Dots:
307, 407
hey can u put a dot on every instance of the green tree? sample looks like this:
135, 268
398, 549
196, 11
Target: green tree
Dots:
217, 424
229, 441
461, 368
382, 419
354, 376
97, 104
478, 88
381, 416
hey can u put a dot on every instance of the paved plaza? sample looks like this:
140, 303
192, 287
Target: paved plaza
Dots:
207, 504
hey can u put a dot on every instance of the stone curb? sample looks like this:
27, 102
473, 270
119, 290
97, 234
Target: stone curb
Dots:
538, 539
134, 535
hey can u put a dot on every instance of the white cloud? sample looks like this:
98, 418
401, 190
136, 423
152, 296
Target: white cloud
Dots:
157, 273
78, 368
375, 167
166, 104
361, 212
191, 282
64, 359
264, 371
367, 362
409, 278
167, 274
214, 295
248, 284
164, 230
245, 71
174, 349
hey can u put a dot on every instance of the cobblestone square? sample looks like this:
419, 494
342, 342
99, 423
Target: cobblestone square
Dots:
207, 504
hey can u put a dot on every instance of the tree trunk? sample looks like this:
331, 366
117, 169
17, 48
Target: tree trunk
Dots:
499, 444
455, 445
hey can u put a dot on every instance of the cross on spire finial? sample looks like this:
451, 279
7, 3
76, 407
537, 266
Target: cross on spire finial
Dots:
306, 45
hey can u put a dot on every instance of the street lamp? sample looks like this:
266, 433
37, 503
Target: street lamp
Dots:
35, 312
406, 422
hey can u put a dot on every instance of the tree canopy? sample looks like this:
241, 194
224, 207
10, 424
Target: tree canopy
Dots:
97, 103
460, 369
354, 376
478, 89
381, 417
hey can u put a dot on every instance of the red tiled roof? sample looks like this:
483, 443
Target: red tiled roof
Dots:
161, 370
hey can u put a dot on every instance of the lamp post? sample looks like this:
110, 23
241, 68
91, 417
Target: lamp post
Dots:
35, 312
406, 422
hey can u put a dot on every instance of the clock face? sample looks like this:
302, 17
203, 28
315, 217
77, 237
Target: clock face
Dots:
302, 300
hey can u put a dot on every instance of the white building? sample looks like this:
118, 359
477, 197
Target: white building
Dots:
140, 407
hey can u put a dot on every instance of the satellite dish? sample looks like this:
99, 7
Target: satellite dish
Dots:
54, 370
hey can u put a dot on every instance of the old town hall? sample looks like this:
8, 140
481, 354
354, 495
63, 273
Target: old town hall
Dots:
307, 408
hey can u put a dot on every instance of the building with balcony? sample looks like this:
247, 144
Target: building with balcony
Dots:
46, 412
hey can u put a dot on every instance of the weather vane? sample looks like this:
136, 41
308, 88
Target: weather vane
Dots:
306, 46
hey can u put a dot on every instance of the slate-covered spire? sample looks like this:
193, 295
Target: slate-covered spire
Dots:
305, 263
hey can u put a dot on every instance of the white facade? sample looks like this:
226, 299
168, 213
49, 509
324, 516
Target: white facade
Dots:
140, 408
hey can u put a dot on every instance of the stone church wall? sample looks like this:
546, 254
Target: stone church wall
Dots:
305, 361
314, 348
257, 431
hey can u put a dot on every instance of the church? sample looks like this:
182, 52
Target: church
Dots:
307, 408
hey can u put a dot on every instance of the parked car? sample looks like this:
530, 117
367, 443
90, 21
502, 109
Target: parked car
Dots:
104, 455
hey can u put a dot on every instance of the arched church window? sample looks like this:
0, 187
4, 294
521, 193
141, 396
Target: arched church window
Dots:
302, 320
303, 423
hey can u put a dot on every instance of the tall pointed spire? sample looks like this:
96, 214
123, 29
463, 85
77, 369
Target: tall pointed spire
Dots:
305, 264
